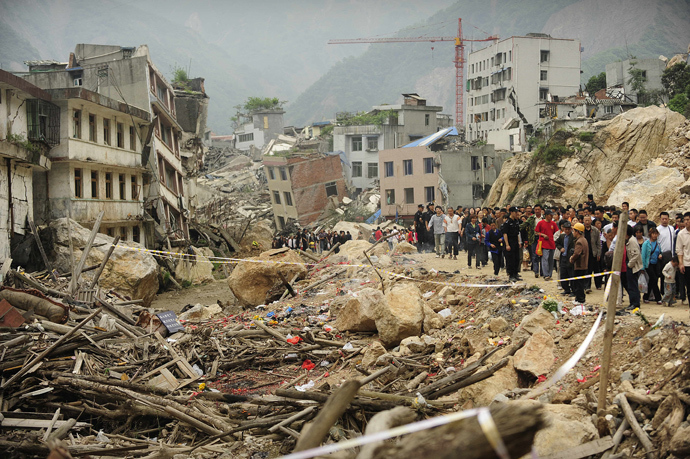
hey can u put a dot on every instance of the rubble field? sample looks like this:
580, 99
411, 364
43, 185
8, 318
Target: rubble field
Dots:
357, 344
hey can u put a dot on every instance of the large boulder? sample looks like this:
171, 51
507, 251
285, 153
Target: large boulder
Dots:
536, 356
626, 144
567, 427
400, 315
254, 277
131, 273
372, 354
405, 247
198, 270
536, 320
643, 188
358, 313
261, 232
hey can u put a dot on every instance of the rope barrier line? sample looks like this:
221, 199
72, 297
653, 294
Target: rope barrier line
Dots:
226, 260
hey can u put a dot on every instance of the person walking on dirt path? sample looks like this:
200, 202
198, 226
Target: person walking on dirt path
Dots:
580, 261
452, 222
420, 228
513, 252
494, 242
593, 237
473, 237
544, 231
565, 244
437, 227
634, 267
683, 252
530, 225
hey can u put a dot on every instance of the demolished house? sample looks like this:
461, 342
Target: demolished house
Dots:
126, 75
303, 183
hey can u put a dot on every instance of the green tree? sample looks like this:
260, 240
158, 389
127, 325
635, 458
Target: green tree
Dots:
596, 83
676, 78
638, 78
263, 103
679, 103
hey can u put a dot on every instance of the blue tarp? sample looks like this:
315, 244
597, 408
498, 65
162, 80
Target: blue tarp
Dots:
433, 138
374, 217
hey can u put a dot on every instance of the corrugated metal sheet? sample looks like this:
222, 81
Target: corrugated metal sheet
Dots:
433, 138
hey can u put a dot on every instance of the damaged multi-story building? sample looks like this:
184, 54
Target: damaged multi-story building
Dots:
261, 126
509, 79
361, 137
438, 169
128, 76
191, 106
303, 184
29, 128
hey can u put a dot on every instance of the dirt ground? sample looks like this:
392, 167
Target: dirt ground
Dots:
219, 291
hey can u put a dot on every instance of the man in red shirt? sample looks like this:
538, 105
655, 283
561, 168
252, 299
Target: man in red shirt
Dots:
545, 230
378, 234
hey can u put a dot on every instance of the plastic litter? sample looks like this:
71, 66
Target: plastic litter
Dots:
348, 346
198, 370
445, 313
305, 387
428, 294
102, 438
578, 310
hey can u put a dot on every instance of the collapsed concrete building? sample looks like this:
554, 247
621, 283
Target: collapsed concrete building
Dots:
29, 128
126, 75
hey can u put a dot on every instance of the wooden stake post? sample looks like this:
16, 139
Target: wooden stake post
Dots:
611, 313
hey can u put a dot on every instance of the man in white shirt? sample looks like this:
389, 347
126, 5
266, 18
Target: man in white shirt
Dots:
683, 249
452, 224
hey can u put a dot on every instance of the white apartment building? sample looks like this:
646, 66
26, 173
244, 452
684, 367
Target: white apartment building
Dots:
509, 81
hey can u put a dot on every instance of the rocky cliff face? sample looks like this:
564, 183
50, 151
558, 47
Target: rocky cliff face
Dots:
619, 149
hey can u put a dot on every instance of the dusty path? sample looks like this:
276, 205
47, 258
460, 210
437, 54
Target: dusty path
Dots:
205, 294
219, 290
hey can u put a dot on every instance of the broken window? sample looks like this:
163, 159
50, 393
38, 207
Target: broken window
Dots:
123, 233
429, 165
331, 189
94, 184
357, 143
542, 75
276, 197
372, 143
271, 173
120, 135
132, 139
388, 169
78, 187
409, 195
373, 170
426, 119
283, 173
135, 188
486, 162
543, 93
123, 187
475, 163
281, 222
407, 167
356, 168
106, 131
92, 128
288, 198
76, 124
43, 121
108, 185
390, 197
544, 56
429, 193
245, 137
136, 234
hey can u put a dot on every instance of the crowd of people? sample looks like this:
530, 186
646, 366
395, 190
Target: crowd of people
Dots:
573, 241
312, 241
